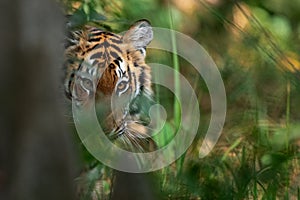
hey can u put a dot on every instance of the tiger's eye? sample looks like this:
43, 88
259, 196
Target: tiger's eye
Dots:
121, 85
87, 83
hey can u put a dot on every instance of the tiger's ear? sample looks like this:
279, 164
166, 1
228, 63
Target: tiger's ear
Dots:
139, 34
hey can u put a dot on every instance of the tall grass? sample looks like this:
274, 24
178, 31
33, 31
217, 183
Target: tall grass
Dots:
176, 103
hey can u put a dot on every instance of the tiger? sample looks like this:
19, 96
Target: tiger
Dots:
107, 65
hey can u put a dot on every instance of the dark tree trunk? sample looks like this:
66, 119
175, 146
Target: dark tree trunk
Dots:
130, 186
36, 157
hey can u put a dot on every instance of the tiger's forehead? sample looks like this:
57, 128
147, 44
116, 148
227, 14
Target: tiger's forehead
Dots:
106, 46
96, 35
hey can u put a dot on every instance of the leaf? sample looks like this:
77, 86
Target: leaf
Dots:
78, 19
95, 16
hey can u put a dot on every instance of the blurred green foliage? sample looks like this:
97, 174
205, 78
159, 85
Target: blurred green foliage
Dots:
256, 46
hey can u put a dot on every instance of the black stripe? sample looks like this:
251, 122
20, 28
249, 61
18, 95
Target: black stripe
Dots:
95, 62
117, 62
135, 80
114, 54
116, 41
130, 77
112, 35
94, 39
69, 93
80, 66
142, 76
116, 48
97, 55
105, 44
116, 75
93, 29
96, 46
142, 88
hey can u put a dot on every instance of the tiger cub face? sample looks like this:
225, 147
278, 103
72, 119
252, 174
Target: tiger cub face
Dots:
102, 64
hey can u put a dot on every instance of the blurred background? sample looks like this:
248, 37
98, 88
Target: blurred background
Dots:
256, 46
